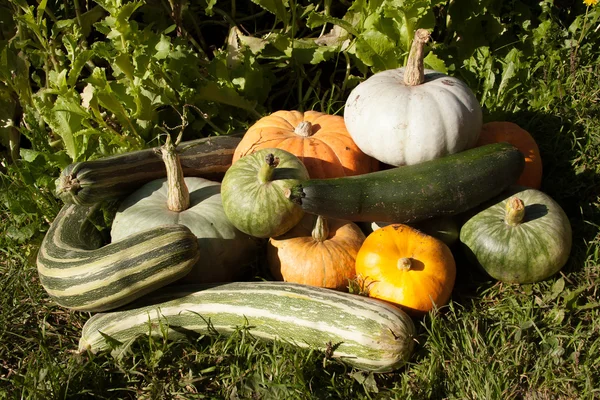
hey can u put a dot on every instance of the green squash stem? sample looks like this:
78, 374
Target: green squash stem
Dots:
515, 211
320, 232
414, 72
266, 172
178, 195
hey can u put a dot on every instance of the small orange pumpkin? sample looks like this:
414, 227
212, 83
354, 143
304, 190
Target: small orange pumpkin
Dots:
402, 265
320, 140
503, 131
317, 252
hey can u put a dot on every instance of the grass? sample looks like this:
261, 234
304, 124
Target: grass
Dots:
493, 341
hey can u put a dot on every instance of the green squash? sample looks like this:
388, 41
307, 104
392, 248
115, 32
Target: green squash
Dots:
522, 236
225, 252
255, 190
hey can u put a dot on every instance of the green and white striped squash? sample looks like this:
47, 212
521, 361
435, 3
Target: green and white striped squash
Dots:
522, 236
255, 192
81, 273
91, 182
225, 251
372, 335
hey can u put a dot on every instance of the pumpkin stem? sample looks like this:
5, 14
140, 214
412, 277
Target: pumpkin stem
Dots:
304, 129
178, 197
266, 172
404, 264
515, 211
414, 73
321, 230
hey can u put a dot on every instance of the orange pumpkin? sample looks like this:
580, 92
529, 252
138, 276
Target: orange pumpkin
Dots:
320, 140
502, 131
316, 252
402, 265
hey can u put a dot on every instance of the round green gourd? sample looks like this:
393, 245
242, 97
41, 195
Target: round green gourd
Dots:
255, 192
523, 236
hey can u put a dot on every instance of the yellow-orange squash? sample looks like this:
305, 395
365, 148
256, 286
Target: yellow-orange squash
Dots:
503, 131
402, 265
316, 252
320, 140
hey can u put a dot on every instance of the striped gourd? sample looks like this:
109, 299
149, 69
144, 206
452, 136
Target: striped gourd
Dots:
371, 334
81, 273
90, 182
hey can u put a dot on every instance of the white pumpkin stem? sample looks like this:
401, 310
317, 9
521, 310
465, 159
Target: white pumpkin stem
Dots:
266, 172
404, 264
414, 72
515, 211
178, 195
320, 232
304, 129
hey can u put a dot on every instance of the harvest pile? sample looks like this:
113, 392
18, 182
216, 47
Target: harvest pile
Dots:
382, 197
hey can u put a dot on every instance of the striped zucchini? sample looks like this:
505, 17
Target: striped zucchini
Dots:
90, 182
372, 335
81, 273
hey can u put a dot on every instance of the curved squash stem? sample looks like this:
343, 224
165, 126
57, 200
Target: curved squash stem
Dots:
266, 172
178, 197
304, 129
414, 72
515, 211
320, 232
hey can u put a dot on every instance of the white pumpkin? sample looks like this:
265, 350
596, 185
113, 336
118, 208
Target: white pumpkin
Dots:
409, 115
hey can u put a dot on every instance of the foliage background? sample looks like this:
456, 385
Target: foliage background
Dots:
81, 80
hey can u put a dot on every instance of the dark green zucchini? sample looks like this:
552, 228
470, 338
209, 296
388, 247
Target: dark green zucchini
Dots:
90, 182
445, 186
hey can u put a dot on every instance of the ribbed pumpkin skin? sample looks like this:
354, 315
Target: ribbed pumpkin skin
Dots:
81, 273
261, 209
372, 335
530, 252
404, 125
503, 131
225, 251
428, 282
297, 257
329, 152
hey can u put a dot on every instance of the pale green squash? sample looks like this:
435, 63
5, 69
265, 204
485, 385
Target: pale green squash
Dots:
523, 236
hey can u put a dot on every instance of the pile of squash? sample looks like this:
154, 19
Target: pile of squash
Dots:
382, 198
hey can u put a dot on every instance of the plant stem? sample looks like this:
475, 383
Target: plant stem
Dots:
515, 211
414, 73
266, 172
178, 195
320, 232
404, 264
304, 129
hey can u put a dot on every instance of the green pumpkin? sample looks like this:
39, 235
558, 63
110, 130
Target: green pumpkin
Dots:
195, 203
523, 236
225, 251
254, 192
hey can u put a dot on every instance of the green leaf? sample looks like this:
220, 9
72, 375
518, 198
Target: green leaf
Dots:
163, 48
211, 91
377, 50
276, 7
435, 63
